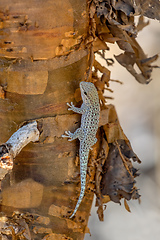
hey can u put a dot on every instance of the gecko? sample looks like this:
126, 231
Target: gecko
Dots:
90, 110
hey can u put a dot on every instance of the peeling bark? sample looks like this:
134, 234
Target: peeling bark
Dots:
47, 48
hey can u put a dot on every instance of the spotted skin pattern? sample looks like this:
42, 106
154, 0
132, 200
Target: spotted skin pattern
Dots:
86, 134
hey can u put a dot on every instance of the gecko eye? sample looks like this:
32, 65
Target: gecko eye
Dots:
85, 93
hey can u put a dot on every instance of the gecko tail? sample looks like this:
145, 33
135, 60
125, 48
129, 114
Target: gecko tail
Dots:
79, 202
83, 173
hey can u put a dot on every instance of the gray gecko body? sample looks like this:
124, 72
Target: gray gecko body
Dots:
86, 134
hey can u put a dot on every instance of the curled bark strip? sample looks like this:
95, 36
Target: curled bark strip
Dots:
10, 149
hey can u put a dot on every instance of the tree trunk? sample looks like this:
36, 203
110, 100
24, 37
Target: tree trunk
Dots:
43, 58
46, 49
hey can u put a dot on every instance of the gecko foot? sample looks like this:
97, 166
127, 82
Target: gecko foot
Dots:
71, 106
68, 135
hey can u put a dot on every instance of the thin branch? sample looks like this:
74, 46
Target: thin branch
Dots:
10, 149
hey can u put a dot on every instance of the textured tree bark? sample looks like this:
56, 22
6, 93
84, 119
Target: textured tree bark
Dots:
43, 58
46, 49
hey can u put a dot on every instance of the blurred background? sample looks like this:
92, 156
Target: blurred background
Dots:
138, 108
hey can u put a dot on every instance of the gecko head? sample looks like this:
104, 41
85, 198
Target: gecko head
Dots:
88, 92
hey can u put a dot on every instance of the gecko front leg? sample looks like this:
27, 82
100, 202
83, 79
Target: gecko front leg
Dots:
79, 132
80, 110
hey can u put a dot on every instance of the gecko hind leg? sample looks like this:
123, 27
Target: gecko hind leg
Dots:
77, 134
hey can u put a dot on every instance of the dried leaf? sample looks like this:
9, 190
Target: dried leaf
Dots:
150, 9
127, 150
87, 230
126, 206
141, 23
99, 45
54, 236
100, 85
108, 37
124, 6
121, 34
100, 213
112, 128
149, 60
102, 69
128, 60
115, 174
102, 10
118, 179
115, 22
106, 199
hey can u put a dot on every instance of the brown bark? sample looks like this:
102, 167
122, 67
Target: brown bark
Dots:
43, 59
46, 49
